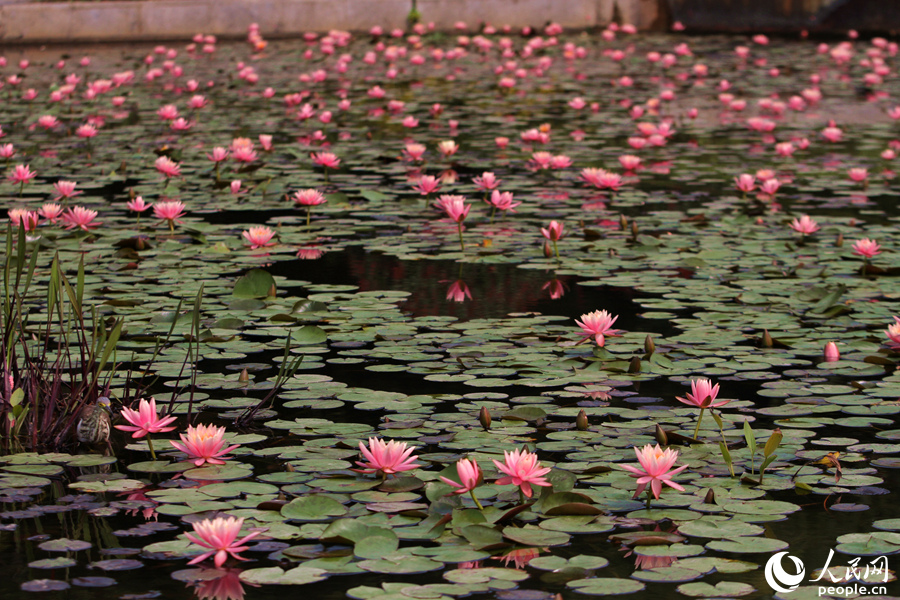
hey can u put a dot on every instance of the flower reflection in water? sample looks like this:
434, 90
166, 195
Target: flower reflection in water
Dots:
140, 502
520, 557
458, 291
652, 562
556, 288
310, 253
217, 584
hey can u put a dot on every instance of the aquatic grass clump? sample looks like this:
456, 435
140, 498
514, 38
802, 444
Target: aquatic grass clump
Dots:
50, 371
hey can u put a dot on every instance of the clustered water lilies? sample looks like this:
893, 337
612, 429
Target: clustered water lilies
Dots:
202, 444
520, 467
206, 445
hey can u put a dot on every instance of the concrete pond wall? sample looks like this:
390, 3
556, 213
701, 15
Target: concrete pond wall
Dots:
47, 22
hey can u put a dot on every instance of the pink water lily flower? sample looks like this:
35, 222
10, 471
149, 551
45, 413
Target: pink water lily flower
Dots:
308, 197
470, 476
630, 162
448, 148
831, 352
80, 217
218, 154
560, 161
21, 174
259, 237
503, 201
167, 166
553, 231
204, 444
144, 420
65, 189
893, 333
745, 182
386, 458
138, 205
523, 469
219, 535
86, 131
168, 112
598, 325
329, 160
414, 152
593, 175
47, 121
455, 206
243, 153
24, 217
486, 182
858, 174
427, 184
770, 187
655, 469
51, 211
703, 394
866, 248
832, 134
804, 225
170, 211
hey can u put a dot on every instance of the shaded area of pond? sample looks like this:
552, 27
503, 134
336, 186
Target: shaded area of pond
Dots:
496, 290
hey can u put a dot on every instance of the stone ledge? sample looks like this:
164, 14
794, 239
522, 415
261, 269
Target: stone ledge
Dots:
150, 20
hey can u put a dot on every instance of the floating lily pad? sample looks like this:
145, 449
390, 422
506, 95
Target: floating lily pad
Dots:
313, 508
44, 585
277, 576
605, 586
64, 545
721, 589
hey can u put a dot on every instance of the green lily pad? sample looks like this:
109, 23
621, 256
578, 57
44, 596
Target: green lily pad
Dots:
277, 576
723, 589
605, 586
313, 508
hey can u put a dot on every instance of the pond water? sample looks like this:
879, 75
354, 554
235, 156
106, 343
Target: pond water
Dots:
412, 321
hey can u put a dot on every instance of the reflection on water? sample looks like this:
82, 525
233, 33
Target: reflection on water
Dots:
470, 291
459, 291
217, 584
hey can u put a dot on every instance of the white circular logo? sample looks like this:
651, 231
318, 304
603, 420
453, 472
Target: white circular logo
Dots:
777, 578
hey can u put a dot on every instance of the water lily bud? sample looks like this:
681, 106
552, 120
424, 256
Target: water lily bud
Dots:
273, 291
635, 365
484, 417
581, 421
244, 377
710, 497
131, 193
649, 346
661, 438
634, 229
767, 339
831, 353
289, 468
623, 222
548, 250
839, 241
